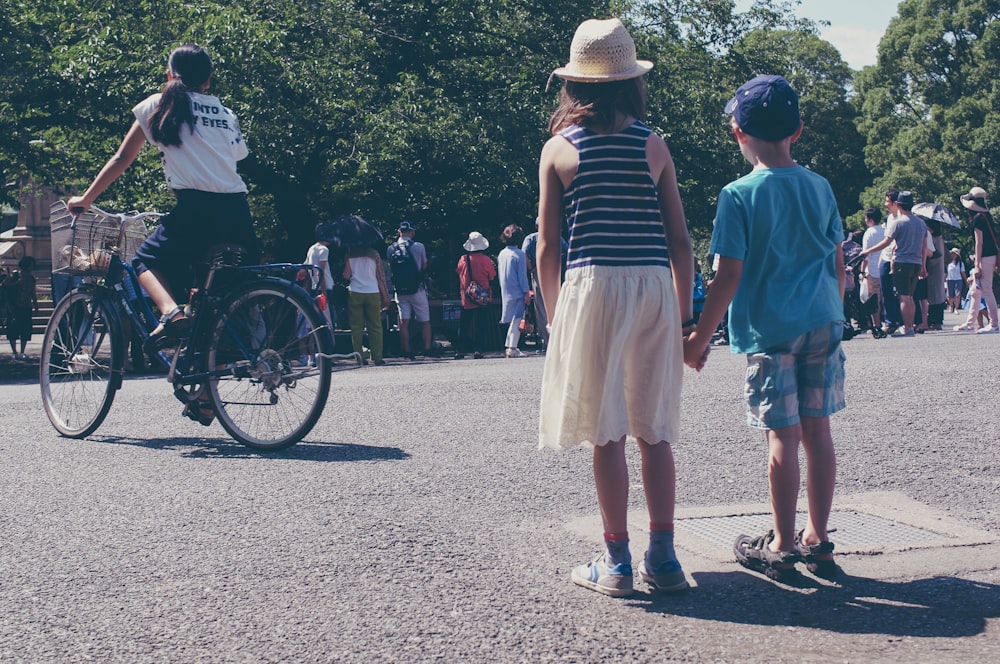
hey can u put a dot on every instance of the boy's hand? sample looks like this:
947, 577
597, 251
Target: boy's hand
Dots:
695, 351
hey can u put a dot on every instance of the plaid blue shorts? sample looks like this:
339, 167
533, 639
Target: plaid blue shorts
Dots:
802, 377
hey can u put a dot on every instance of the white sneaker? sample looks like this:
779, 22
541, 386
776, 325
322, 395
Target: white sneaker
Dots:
987, 330
964, 328
514, 352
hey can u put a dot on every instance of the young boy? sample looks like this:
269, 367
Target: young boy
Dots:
778, 232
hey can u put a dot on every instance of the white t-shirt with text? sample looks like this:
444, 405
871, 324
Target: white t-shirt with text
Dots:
206, 158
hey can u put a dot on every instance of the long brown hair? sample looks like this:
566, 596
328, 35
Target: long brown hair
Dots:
595, 105
191, 68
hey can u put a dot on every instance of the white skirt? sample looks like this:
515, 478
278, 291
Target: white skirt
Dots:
615, 360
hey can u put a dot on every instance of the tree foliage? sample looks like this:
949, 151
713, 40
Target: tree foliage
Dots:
428, 110
931, 106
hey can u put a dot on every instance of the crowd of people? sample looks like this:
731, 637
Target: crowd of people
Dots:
500, 291
904, 279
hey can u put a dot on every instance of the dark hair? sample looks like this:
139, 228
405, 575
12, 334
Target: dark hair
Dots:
873, 214
190, 68
594, 105
513, 235
892, 194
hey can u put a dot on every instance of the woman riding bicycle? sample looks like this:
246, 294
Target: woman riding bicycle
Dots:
200, 142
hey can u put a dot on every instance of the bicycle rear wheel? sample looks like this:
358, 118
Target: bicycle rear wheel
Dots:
83, 355
269, 338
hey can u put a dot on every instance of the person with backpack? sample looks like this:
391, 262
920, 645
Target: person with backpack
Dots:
407, 262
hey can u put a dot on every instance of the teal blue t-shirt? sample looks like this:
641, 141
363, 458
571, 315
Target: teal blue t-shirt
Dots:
784, 225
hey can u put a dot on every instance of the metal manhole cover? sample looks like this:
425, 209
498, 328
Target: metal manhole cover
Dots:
855, 531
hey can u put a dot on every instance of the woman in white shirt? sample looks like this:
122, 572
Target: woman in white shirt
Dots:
367, 298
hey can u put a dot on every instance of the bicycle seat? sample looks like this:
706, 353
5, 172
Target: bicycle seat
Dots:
226, 255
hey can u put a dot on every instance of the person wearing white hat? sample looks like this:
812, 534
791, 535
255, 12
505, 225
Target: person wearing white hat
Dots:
475, 272
615, 361
985, 260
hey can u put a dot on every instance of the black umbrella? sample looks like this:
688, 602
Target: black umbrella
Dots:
936, 212
349, 231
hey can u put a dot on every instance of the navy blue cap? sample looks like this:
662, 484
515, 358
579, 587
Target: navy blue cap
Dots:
766, 107
407, 226
905, 199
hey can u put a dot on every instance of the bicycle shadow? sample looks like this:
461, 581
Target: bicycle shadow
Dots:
940, 606
216, 448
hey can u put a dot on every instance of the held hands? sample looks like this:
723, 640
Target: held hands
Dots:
695, 349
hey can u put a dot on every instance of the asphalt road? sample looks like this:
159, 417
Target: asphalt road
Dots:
418, 522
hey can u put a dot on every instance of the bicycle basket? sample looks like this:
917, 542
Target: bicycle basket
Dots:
83, 245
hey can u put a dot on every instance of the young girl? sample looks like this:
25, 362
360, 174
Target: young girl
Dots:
200, 142
614, 364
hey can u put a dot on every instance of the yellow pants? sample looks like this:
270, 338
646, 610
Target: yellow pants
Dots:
365, 309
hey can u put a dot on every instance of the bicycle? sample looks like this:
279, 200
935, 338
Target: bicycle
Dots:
260, 350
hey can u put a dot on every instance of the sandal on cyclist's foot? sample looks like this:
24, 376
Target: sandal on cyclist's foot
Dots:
202, 412
824, 567
755, 553
172, 329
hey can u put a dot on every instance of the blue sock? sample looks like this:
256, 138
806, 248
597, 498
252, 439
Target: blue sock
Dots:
618, 552
661, 548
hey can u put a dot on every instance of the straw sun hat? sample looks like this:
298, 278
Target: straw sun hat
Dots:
602, 50
975, 200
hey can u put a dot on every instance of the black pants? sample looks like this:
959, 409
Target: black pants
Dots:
474, 329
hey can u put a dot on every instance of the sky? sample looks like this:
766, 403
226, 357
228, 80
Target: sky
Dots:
856, 26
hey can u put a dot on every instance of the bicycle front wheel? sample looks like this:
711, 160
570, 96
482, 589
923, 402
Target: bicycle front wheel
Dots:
269, 343
83, 355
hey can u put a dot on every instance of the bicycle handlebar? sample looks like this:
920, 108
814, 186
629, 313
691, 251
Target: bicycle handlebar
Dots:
121, 216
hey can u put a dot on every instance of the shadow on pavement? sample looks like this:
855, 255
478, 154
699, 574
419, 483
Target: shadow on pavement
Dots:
940, 606
225, 448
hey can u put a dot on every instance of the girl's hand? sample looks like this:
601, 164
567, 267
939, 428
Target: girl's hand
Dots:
78, 204
695, 351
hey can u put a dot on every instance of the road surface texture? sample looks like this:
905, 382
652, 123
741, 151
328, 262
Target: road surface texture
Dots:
418, 522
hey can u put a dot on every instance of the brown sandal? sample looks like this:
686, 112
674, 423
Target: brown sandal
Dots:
824, 568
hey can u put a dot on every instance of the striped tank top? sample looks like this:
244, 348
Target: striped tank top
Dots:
612, 206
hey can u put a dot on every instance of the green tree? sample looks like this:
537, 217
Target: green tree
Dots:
431, 110
703, 50
930, 108
831, 144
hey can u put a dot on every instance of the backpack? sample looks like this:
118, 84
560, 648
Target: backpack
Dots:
406, 276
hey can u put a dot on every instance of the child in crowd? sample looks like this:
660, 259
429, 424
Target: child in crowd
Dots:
614, 364
778, 233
